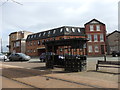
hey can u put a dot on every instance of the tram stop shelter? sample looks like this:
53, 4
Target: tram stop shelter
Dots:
69, 63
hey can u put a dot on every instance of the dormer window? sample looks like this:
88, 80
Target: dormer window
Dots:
39, 34
44, 34
67, 29
31, 36
79, 30
34, 36
28, 37
54, 31
61, 29
73, 29
49, 32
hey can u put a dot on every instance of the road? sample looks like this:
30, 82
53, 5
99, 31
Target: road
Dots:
33, 74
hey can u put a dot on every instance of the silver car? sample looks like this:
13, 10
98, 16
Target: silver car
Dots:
19, 57
3, 57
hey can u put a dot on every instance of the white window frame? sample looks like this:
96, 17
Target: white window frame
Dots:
39, 34
96, 48
79, 30
54, 31
67, 29
97, 27
90, 49
73, 29
17, 44
61, 29
44, 34
91, 27
95, 38
101, 38
89, 37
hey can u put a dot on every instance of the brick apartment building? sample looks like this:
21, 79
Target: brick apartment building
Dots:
94, 30
113, 42
35, 46
96, 33
17, 41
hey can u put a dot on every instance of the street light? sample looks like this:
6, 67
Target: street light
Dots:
1, 45
12, 1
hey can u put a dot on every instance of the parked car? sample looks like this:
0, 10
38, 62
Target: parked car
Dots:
19, 56
43, 56
3, 57
116, 53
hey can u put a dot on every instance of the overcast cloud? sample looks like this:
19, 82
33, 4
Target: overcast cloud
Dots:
40, 15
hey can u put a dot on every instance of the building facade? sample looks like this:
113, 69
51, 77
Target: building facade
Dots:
96, 33
17, 41
35, 42
113, 42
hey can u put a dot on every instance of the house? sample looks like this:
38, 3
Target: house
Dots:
96, 33
113, 42
17, 41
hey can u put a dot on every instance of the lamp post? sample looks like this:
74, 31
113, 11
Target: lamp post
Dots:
1, 45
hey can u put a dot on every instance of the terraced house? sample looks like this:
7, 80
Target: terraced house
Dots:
94, 30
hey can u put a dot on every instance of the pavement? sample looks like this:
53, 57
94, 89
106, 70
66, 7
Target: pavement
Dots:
30, 74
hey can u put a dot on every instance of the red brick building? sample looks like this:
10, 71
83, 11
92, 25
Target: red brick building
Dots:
96, 33
35, 46
94, 30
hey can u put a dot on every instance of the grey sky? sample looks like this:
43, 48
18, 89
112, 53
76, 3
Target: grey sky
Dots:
39, 15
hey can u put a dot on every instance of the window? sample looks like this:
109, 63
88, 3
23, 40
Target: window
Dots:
61, 29
39, 34
73, 29
38, 42
95, 38
75, 50
54, 31
31, 43
79, 30
28, 37
96, 48
34, 43
17, 44
68, 49
44, 34
90, 48
34, 51
28, 51
91, 28
84, 46
43, 41
101, 38
98, 27
34, 36
49, 32
31, 36
61, 49
31, 51
89, 37
67, 29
